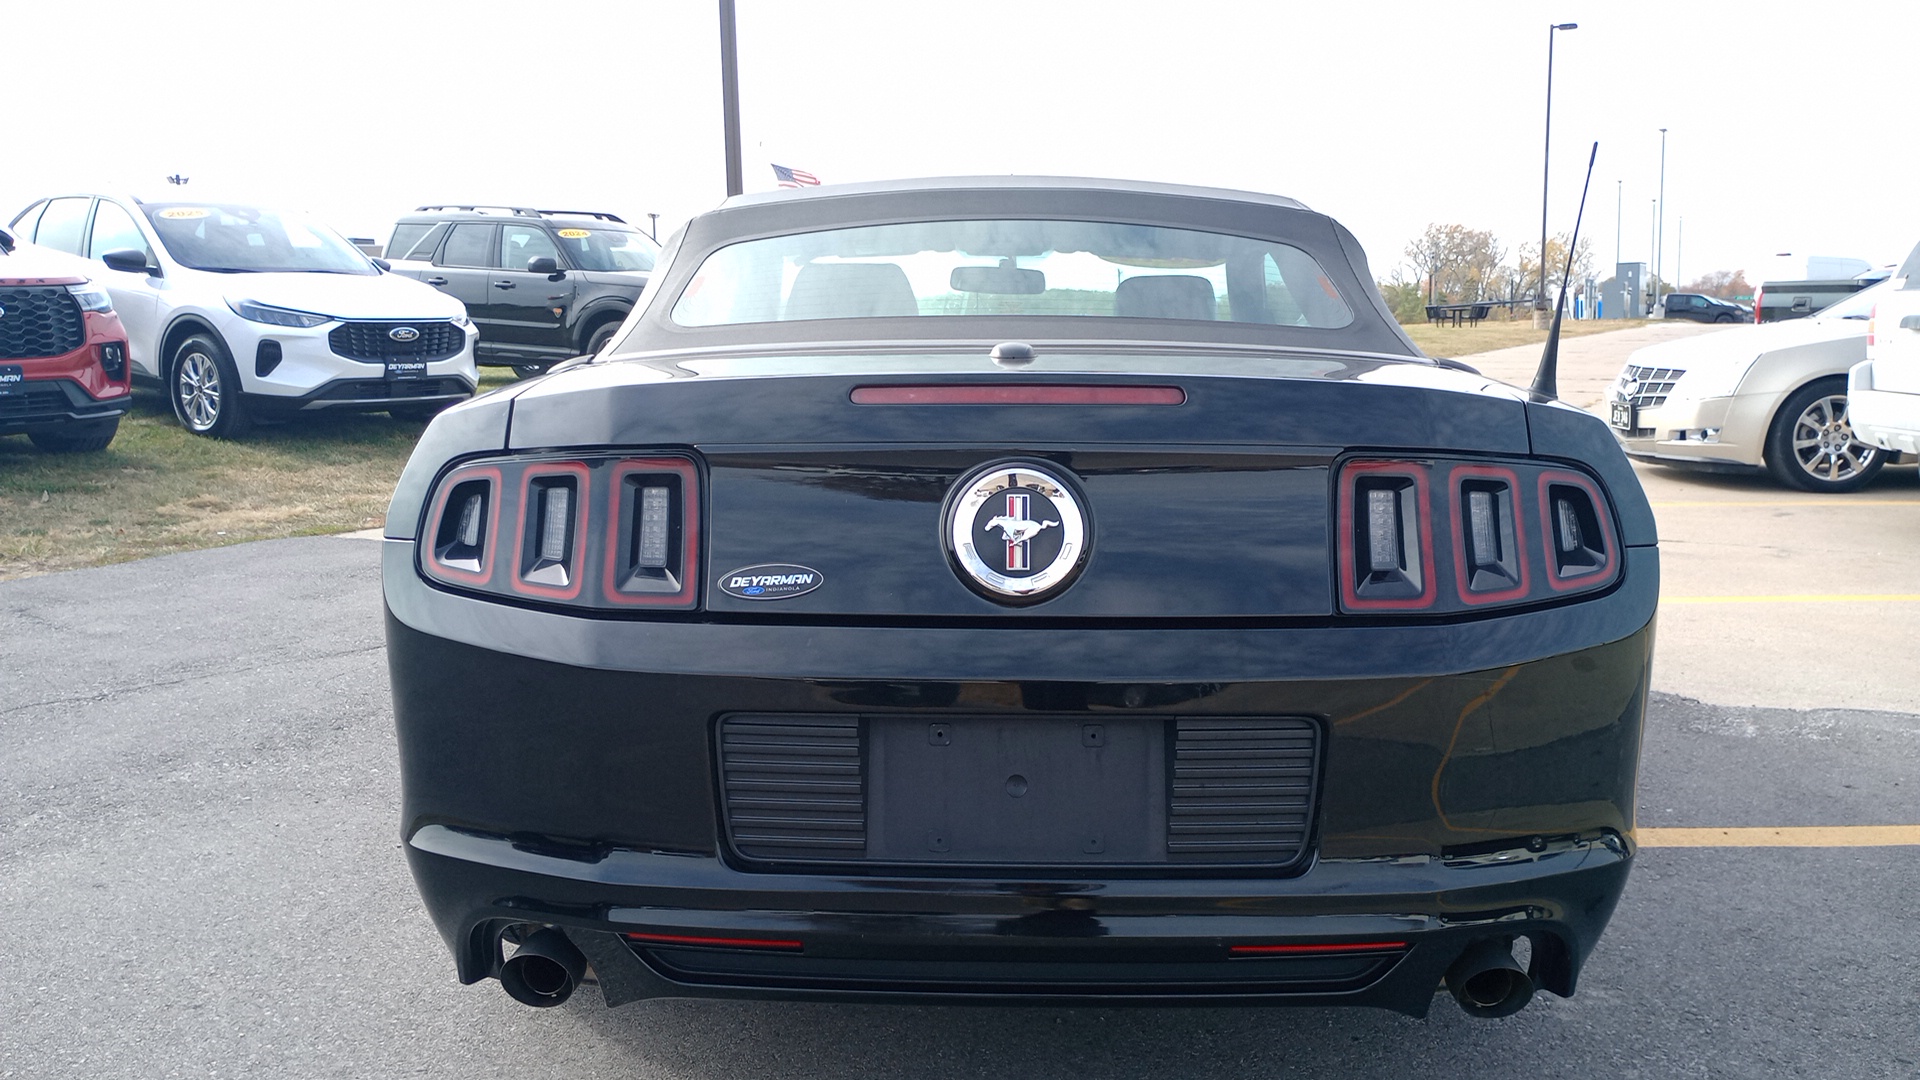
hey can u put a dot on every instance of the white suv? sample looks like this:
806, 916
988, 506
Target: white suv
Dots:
242, 312
1885, 387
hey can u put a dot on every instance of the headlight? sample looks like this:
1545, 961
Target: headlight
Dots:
91, 297
275, 316
1711, 380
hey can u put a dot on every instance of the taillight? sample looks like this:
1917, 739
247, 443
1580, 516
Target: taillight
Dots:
1873, 316
604, 532
1397, 519
1386, 546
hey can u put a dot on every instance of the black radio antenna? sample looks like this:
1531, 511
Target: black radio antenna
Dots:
1545, 381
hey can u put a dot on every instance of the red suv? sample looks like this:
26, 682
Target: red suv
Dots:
63, 354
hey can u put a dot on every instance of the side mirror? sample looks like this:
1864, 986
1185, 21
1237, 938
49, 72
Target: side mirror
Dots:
129, 261
545, 264
385, 266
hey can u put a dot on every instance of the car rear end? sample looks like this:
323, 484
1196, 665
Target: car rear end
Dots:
64, 378
1324, 710
1192, 639
1883, 391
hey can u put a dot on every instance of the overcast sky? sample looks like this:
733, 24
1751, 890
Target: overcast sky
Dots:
1787, 123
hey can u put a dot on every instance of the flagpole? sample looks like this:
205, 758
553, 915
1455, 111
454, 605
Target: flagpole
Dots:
730, 98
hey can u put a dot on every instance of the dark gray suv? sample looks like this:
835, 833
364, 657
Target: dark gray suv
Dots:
540, 285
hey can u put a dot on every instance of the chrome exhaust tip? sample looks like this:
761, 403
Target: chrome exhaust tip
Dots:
1488, 982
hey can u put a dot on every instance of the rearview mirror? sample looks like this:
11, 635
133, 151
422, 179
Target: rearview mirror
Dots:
1001, 280
383, 264
128, 261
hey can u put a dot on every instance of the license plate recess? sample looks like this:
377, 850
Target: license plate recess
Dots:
1036, 791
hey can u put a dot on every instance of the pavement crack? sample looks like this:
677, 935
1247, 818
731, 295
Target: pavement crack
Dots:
103, 695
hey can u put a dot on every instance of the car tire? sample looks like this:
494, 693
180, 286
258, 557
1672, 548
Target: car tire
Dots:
1723, 318
530, 371
1811, 446
601, 335
204, 387
86, 438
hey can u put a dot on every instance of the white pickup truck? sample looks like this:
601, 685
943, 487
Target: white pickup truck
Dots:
1883, 390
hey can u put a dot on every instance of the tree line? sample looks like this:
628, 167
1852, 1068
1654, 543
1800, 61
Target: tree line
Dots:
1452, 264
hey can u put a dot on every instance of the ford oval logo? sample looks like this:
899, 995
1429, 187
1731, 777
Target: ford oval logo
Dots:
403, 333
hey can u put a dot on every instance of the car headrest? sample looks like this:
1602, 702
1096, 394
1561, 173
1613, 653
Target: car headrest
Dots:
850, 291
1165, 296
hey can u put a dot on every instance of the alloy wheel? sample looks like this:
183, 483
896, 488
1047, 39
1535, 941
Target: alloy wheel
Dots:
1823, 441
197, 388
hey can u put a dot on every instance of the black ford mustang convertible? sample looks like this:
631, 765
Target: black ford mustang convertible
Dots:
1019, 590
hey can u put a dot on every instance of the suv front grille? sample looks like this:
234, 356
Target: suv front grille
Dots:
40, 321
373, 341
1655, 385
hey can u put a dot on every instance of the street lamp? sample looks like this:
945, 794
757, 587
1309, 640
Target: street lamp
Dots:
1540, 296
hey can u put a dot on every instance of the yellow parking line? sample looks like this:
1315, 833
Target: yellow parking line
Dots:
1813, 502
1799, 598
1815, 836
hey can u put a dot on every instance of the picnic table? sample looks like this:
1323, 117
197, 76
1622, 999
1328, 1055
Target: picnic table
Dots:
1455, 314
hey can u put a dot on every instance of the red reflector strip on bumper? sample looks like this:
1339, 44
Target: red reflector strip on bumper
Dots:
1018, 394
713, 942
1317, 948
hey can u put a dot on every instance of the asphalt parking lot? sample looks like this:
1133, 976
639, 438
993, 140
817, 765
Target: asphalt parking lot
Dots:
199, 836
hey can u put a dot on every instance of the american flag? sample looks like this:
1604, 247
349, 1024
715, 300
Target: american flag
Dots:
794, 178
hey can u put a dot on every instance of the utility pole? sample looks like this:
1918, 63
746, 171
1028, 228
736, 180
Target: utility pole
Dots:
730, 98
653, 226
1660, 229
1546, 165
1619, 200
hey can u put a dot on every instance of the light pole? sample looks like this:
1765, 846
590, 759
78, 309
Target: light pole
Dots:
730, 98
1546, 165
1619, 200
1660, 228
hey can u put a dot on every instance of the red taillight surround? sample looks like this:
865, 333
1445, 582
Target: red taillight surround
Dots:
1474, 516
605, 531
700, 941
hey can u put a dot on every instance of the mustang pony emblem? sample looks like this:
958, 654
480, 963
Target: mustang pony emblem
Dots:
1017, 530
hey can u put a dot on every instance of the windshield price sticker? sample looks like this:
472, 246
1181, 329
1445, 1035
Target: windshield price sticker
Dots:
180, 213
574, 234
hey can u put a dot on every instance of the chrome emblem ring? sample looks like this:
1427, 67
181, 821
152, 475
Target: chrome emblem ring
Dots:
1016, 531
403, 333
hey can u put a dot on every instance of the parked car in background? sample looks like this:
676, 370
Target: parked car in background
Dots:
541, 285
1019, 589
1885, 387
243, 312
1772, 396
64, 377
1700, 307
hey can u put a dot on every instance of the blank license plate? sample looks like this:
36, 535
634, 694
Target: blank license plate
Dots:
1622, 415
1043, 791
13, 379
406, 369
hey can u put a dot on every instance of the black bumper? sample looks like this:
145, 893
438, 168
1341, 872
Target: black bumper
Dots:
55, 403
368, 395
1476, 781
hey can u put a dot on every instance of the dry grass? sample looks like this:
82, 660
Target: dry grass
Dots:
1438, 340
158, 489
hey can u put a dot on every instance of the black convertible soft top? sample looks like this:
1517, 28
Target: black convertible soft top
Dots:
1258, 217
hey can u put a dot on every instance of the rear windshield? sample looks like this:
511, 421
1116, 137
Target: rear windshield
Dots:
1012, 268
244, 239
607, 249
